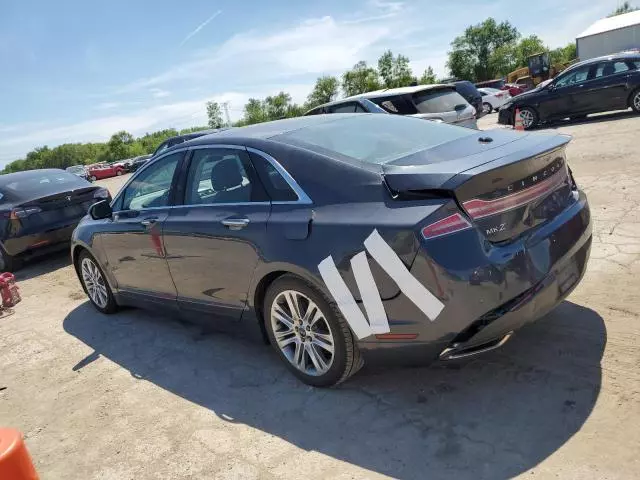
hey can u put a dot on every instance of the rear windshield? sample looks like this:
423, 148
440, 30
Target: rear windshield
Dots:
373, 138
467, 89
25, 186
437, 101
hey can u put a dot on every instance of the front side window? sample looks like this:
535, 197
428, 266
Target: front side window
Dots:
574, 76
219, 175
152, 187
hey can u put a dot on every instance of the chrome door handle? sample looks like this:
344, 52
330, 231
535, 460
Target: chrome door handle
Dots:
147, 222
235, 223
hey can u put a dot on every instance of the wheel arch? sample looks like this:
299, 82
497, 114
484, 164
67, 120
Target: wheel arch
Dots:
264, 279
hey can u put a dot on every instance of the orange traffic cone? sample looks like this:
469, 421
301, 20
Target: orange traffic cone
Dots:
517, 124
15, 462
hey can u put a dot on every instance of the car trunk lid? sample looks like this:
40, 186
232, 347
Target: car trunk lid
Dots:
505, 182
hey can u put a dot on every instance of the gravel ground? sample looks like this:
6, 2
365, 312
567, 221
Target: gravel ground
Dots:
137, 396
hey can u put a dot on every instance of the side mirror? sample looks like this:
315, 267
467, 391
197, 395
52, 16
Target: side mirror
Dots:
100, 210
460, 107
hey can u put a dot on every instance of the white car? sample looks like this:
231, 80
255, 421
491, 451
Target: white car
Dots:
493, 99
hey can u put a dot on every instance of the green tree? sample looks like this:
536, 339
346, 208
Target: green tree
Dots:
215, 115
395, 71
472, 52
325, 90
624, 8
360, 79
428, 77
563, 54
119, 145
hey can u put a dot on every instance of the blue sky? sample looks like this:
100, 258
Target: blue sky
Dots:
75, 71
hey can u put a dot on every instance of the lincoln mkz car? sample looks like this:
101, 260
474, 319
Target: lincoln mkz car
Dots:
345, 237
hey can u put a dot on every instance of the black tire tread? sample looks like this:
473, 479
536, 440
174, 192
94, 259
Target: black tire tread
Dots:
631, 97
112, 306
354, 360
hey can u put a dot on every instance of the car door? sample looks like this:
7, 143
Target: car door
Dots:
213, 240
133, 245
558, 100
606, 88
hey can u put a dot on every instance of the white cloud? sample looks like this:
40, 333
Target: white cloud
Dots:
107, 105
174, 115
159, 93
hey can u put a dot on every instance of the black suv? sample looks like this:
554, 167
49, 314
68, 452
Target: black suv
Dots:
471, 94
596, 85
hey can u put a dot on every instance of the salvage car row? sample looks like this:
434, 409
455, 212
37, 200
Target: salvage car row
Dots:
438, 242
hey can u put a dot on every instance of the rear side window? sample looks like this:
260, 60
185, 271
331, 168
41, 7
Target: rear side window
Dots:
437, 101
397, 104
373, 138
277, 187
315, 111
343, 108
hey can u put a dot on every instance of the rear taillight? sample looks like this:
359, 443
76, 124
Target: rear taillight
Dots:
451, 224
479, 208
18, 213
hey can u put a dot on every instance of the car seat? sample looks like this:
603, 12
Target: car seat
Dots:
226, 180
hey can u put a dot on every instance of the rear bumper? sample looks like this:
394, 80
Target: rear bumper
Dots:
523, 282
41, 242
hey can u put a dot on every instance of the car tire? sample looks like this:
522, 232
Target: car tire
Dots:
8, 263
487, 108
92, 178
634, 100
533, 119
320, 350
95, 284
118, 173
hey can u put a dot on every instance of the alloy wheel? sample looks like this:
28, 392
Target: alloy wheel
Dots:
94, 282
486, 108
636, 102
527, 118
302, 332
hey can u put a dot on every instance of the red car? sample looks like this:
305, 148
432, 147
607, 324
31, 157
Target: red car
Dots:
105, 171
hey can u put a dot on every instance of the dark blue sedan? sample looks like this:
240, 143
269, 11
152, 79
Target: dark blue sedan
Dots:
346, 237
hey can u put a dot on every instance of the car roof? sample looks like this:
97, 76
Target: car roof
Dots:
614, 56
383, 93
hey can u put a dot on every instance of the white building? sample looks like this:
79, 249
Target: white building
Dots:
610, 35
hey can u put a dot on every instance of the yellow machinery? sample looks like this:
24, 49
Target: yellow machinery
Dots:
538, 70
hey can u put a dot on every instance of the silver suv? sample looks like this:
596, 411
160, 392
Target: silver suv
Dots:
439, 103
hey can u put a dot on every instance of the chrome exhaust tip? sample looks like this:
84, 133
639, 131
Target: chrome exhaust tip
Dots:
458, 351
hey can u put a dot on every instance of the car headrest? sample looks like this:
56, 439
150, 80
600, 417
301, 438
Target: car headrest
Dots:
608, 70
225, 174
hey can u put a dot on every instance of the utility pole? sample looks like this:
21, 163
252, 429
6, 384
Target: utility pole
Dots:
225, 105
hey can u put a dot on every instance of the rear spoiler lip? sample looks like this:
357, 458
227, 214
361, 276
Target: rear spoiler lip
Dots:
448, 175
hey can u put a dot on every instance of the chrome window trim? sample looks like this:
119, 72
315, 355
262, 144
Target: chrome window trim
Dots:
303, 198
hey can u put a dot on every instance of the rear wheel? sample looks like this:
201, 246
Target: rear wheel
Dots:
309, 333
486, 107
8, 263
529, 117
635, 101
95, 284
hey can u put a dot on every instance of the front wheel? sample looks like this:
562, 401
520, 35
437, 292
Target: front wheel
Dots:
487, 108
635, 101
119, 172
92, 178
529, 118
309, 333
8, 263
95, 284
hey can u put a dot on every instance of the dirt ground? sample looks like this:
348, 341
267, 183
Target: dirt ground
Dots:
137, 396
